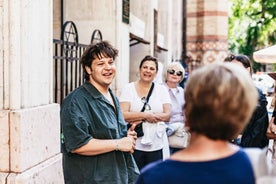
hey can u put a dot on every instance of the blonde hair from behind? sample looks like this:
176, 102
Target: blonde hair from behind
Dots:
220, 99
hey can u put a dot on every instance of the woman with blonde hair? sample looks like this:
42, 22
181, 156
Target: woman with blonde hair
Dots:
215, 112
173, 76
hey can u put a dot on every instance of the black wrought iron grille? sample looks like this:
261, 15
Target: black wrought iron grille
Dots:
68, 73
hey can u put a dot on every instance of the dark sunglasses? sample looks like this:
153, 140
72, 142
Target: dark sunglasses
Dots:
172, 71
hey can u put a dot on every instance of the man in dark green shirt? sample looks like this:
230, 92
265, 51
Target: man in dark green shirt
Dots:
96, 145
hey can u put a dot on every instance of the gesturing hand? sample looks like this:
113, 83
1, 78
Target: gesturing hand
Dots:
131, 132
126, 144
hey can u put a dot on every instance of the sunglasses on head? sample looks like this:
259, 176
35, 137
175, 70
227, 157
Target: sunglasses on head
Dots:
172, 71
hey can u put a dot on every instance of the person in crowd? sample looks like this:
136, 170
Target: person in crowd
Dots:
173, 77
271, 130
213, 116
184, 63
149, 146
271, 134
159, 76
254, 135
96, 146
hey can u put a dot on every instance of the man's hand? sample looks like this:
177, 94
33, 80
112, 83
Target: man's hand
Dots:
131, 132
126, 144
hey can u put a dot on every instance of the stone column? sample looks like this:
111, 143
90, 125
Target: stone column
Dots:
207, 30
29, 120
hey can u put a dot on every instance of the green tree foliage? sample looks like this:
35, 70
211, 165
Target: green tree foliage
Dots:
252, 26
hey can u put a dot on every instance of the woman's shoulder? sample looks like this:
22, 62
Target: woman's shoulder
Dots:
180, 89
128, 86
160, 86
161, 166
172, 169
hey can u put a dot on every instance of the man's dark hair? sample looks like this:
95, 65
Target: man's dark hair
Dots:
97, 50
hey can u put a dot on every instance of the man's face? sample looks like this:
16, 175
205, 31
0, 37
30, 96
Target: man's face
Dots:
102, 72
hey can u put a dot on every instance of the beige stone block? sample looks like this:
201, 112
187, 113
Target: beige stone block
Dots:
222, 26
210, 5
34, 136
4, 140
194, 6
210, 27
216, 26
47, 172
216, 5
194, 26
222, 5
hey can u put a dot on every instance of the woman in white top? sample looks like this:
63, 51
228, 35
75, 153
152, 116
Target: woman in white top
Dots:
157, 112
174, 75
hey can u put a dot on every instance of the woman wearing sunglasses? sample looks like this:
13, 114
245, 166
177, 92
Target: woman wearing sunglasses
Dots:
173, 76
156, 112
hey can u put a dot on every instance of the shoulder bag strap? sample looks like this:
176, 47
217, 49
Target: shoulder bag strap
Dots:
148, 96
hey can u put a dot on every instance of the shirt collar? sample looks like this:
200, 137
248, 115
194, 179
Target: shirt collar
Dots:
93, 90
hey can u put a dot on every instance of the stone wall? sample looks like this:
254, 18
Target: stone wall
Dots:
29, 120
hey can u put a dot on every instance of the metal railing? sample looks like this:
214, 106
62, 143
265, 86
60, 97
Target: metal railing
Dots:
68, 72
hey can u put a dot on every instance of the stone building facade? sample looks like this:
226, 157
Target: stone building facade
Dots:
29, 118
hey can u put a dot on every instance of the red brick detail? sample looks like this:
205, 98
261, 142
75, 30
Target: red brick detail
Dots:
204, 57
207, 46
208, 13
207, 38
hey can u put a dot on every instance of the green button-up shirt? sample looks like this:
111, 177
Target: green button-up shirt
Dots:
87, 114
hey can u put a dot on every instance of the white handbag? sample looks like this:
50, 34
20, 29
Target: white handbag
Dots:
180, 138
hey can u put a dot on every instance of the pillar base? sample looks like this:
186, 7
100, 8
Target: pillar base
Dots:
47, 172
